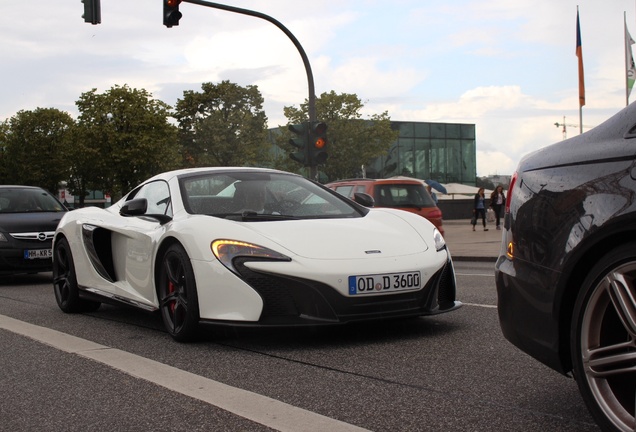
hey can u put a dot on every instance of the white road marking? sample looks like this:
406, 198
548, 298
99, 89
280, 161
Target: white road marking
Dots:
480, 305
261, 409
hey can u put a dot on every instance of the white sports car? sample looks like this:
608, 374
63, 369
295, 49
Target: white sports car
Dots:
250, 246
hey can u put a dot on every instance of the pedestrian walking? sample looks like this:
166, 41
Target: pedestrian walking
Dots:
479, 208
497, 200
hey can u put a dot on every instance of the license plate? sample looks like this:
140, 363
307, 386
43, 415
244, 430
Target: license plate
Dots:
38, 253
369, 284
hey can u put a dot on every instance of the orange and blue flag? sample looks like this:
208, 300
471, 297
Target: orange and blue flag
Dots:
579, 54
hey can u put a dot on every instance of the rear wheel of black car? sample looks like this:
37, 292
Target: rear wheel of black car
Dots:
65, 281
603, 339
177, 291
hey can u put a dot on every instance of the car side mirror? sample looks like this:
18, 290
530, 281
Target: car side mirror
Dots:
139, 207
363, 199
134, 207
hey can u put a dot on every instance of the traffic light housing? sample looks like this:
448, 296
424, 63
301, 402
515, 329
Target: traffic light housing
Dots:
171, 14
300, 140
318, 144
92, 11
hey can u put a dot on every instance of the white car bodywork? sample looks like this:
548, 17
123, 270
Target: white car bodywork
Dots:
325, 250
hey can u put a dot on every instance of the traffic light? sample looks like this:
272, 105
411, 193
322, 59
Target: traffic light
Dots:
92, 11
318, 144
171, 14
300, 140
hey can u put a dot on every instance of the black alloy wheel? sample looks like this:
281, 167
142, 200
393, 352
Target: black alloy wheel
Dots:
177, 293
65, 281
603, 340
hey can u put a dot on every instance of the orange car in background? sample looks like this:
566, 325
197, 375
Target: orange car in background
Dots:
403, 194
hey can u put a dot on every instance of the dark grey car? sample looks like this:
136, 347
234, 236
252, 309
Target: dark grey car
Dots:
28, 218
566, 275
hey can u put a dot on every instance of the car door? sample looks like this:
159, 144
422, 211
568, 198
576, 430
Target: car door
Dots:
134, 245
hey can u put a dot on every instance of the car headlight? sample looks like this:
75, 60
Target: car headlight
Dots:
438, 238
226, 250
3, 238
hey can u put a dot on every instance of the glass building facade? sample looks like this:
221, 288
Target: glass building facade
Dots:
445, 152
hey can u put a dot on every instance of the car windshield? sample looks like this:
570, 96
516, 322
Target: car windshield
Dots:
403, 195
23, 200
252, 195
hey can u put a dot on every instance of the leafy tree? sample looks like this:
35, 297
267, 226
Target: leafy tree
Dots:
353, 141
223, 125
83, 157
124, 137
35, 144
4, 169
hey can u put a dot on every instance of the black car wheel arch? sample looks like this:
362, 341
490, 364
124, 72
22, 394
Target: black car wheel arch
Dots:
594, 249
177, 294
603, 339
67, 293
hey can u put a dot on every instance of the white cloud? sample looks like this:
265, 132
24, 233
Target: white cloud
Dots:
508, 67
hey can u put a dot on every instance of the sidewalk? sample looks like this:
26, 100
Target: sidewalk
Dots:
466, 245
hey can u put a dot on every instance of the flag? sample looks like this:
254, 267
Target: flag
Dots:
630, 70
579, 54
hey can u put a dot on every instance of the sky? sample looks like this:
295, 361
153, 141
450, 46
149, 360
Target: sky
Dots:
507, 66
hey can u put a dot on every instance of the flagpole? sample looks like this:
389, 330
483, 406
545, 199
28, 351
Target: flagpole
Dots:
579, 54
630, 68
626, 65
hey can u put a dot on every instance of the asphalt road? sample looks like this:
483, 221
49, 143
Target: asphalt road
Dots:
120, 371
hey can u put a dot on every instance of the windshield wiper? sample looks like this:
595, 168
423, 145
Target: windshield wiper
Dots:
253, 216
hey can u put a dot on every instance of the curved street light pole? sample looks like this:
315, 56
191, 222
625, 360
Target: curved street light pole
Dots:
311, 109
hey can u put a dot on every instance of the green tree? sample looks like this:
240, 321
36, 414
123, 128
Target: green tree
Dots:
4, 169
35, 144
124, 137
223, 125
83, 157
353, 141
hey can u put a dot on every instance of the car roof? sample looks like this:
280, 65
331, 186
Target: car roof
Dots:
201, 170
379, 181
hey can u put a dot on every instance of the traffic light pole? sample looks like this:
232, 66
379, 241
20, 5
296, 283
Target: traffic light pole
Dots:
311, 108
92, 14
303, 55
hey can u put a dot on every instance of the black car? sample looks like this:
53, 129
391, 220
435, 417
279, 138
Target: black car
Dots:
566, 273
28, 218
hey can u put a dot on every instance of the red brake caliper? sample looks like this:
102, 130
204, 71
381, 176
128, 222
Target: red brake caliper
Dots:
173, 303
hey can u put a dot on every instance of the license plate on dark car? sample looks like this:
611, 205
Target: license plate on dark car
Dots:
38, 253
390, 282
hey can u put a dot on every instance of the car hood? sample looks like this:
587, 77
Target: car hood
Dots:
611, 140
385, 233
30, 222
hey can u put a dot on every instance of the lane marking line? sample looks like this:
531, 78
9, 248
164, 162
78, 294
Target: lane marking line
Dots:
480, 305
252, 406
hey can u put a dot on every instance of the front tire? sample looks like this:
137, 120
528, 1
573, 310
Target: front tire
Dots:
65, 281
603, 340
178, 300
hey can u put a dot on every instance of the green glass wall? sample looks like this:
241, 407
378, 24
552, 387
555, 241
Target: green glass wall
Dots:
440, 151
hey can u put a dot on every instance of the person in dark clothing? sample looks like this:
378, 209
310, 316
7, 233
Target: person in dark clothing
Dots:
479, 208
497, 201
